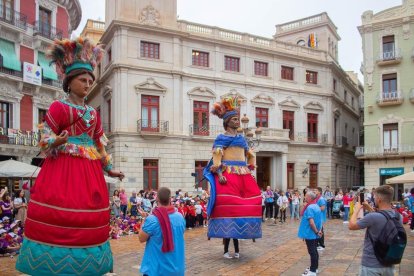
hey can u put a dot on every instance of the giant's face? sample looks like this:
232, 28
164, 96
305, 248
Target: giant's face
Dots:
233, 122
81, 84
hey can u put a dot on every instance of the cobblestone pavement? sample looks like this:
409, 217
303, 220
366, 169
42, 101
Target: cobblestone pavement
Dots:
279, 252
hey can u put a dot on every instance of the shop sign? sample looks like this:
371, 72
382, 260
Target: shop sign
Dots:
19, 137
32, 73
391, 171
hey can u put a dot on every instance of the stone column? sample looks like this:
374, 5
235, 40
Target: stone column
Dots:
284, 171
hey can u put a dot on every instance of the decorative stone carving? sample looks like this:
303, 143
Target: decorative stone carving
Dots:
150, 85
369, 70
263, 100
202, 92
289, 103
48, 5
406, 28
367, 17
233, 93
314, 106
27, 41
150, 16
9, 92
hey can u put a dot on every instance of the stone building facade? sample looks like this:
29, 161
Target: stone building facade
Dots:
162, 75
387, 38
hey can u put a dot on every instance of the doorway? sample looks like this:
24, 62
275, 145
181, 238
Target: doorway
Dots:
263, 172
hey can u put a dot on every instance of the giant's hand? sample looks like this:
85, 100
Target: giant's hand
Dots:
61, 139
119, 174
222, 179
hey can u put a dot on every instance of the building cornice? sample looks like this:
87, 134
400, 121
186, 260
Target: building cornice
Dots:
390, 18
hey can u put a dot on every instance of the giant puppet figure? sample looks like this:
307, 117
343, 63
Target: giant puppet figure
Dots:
235, 202
67, 226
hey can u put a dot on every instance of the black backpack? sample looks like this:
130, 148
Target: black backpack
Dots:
390, 245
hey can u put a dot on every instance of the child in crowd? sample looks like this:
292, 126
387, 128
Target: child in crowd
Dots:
137, 226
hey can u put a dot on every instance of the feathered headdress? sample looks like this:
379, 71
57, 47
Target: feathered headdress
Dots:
69, 55
226, 108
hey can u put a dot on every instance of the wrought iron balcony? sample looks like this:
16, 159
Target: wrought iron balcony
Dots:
310, 137
389, 57
380, 151
390, 98
10, 71
153, 127
44, 29
13, 17
56, 83
208, 131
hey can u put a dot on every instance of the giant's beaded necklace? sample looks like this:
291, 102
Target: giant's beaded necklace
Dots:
87, 115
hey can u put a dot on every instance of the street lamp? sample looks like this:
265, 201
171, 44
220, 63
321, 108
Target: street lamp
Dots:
248, 133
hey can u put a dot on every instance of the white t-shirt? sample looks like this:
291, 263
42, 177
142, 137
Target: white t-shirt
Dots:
199, 209
295, 200
283, 201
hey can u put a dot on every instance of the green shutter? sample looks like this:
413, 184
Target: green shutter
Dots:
48, 71
8, 53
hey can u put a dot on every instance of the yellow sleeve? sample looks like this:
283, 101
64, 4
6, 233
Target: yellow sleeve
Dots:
217, 157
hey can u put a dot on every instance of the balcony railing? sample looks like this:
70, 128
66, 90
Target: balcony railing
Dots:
390, 56
379, 151
310, 137
273, 133
10, 71
390, 98
207, 131
412, 95
56, 83
46, 30
152, 126
13, 17
341, 141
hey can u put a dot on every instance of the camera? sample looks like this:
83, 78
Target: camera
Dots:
361, 197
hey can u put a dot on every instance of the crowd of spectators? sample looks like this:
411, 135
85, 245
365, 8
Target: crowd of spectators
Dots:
127, 214
12, 218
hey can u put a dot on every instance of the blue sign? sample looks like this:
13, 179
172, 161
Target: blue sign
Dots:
391, 171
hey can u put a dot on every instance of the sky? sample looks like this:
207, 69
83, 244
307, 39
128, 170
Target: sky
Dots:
260, 19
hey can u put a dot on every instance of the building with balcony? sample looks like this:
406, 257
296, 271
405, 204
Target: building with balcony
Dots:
93, 29
388, 40
28, 84
161, 77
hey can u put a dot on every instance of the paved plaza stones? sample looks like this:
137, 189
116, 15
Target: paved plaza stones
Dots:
279, 252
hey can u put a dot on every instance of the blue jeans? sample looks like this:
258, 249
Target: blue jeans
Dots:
295, 211
346, 213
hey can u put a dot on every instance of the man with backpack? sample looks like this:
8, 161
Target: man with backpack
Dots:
385, 237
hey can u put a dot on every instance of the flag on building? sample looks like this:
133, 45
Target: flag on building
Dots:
313, 40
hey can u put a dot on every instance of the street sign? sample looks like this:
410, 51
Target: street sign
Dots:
391, 171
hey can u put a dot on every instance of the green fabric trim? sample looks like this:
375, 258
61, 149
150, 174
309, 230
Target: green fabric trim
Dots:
78, 65
8, 53
39, 259
48, 71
